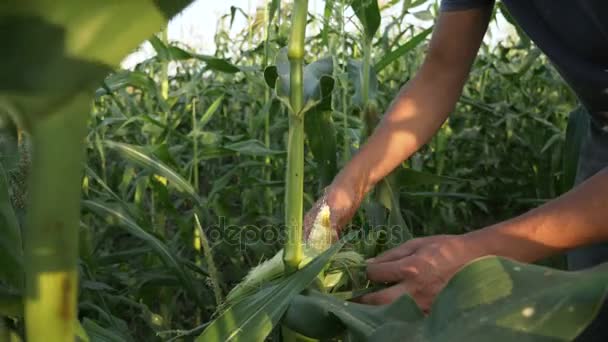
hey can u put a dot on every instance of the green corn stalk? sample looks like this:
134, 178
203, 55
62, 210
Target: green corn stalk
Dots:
213, 272
52, 221
367, 112
346, 143
267, 99
164, 71
295, 144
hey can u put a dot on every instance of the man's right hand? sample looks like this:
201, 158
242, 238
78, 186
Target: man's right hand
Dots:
342, 201
413, 117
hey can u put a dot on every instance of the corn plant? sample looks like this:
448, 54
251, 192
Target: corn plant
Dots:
54, 113
174, 158
254, 313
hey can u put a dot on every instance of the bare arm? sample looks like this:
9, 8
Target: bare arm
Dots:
421, 267
416, 113
575, 219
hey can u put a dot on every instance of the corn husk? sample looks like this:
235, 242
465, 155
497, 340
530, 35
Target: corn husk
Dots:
320, 239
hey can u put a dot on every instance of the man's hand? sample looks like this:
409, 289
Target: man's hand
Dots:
420, 267
343, 202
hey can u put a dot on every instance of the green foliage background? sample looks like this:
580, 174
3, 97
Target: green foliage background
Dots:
209, 140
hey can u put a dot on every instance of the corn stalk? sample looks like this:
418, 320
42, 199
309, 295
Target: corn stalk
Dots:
344, 84
164, 71
295, 145
51, 231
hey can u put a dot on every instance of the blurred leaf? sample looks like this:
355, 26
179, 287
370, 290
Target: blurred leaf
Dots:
98, 333
490, 299
174, 53
409, 4
210, 111
81, 334
388, 194
355, 75
123, 78
321, 137
327, 16
578, 128
251, 147
322, 316
11, 252
318, 80
525, 41
368, 13
56, 49
11, 304
402, 50
137, 156
9, 142
407, 177
158, 246
424, 15
273, 8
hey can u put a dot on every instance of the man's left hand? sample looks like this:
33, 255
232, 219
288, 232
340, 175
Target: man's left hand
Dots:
420, 267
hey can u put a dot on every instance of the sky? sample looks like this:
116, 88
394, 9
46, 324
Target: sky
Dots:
196, 25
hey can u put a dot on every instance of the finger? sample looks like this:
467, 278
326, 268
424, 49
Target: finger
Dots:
387, 272
382, 297
398, 252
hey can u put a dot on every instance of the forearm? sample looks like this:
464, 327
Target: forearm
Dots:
575, 219
424, 104
410, 122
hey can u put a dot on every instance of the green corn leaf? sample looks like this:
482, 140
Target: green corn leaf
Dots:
368, 13
402, 50
11, 303
96, 333
174, 53
321, 137
407, 177
503, 300
355, 75
10, 151
210, 112
408, 4
524, 40
81, 333
78, 43
323, 316
123, 78
11, 253
251, 147
318, 80
327, 16
273, 8
137, 156
254, 317
157, 245
578, 126
388, 195
490, 299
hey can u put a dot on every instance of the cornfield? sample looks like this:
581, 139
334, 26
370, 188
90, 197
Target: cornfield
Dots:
165, 203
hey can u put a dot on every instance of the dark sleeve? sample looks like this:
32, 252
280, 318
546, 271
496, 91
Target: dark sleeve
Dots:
456, 5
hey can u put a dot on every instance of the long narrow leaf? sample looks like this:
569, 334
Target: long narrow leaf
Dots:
158, 246
136, 155
253, 318
402, 50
